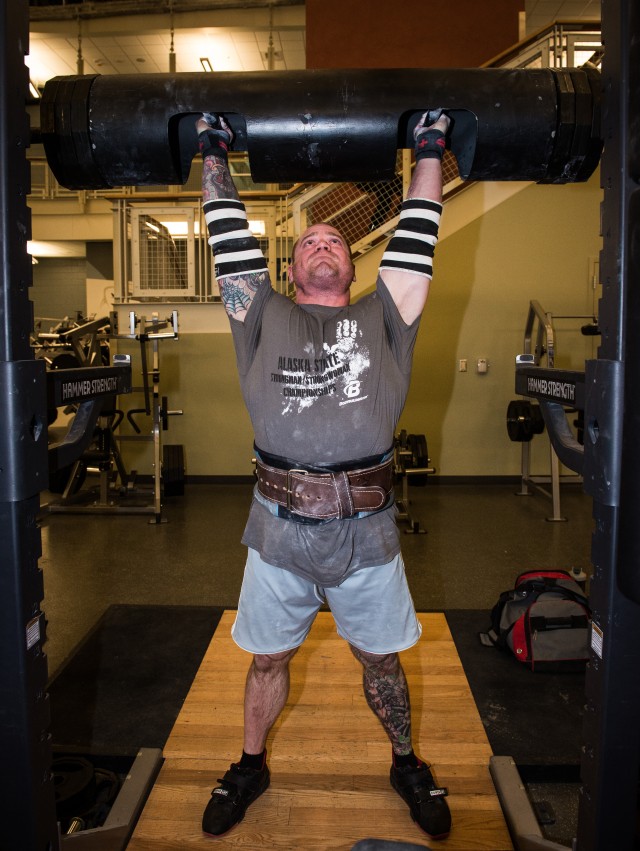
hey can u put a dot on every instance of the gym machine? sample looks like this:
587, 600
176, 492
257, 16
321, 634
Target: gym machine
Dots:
411, 465
609, 460
101, 452
168, 460
525, 419
509, 125
72, 342
557, 393
68, 344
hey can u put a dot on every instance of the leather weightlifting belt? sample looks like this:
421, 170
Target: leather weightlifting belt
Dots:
325, 495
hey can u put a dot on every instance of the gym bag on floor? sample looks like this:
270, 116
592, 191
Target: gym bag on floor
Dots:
544, 621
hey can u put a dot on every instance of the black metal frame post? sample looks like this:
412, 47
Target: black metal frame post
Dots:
27, 802
607, 813
607, 816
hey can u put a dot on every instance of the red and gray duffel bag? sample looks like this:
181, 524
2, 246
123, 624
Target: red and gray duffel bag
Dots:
544, 621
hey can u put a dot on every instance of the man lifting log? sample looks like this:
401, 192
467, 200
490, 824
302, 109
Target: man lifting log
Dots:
325, 381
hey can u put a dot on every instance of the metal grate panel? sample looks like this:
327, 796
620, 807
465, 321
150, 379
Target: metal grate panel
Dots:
162, 251
360, 209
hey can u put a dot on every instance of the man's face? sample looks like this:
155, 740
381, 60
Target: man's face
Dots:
322, 261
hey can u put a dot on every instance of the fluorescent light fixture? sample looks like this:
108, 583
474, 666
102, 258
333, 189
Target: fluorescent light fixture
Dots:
43, 64
34, 91
152, 227
66, 248
181, 228
206, 64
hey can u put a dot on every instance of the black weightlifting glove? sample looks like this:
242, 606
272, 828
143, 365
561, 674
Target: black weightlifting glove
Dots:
430, 140
216, 139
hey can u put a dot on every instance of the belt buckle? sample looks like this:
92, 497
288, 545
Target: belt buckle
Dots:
293, 470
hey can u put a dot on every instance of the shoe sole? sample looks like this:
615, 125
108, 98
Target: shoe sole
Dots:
244, 812
426, 832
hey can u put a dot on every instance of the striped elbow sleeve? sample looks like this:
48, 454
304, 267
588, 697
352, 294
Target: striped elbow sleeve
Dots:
236, 250
411, 247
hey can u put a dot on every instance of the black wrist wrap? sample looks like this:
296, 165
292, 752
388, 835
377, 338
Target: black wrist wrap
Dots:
214, 143
430, 145
412, 245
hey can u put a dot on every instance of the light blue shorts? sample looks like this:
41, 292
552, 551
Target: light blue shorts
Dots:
372, 608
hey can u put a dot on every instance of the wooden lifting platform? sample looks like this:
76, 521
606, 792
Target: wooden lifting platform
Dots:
328, 754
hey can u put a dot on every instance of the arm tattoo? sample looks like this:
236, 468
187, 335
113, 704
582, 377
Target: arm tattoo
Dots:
386, 692
237, 292
216, 180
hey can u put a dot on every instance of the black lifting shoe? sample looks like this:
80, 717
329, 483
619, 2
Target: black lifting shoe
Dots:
426, 801
238, 789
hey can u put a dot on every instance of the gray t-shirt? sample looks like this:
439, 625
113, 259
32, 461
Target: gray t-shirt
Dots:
323, 386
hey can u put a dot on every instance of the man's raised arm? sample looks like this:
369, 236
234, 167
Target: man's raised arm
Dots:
240, 267
406, 266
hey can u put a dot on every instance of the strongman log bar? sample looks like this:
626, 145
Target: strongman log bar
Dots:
314, 126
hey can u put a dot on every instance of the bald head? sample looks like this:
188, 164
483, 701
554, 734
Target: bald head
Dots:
321, 266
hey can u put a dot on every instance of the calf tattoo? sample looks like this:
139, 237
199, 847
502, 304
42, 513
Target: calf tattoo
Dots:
386, 692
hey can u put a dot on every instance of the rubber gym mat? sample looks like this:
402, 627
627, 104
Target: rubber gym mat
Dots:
534, 717
124, 686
